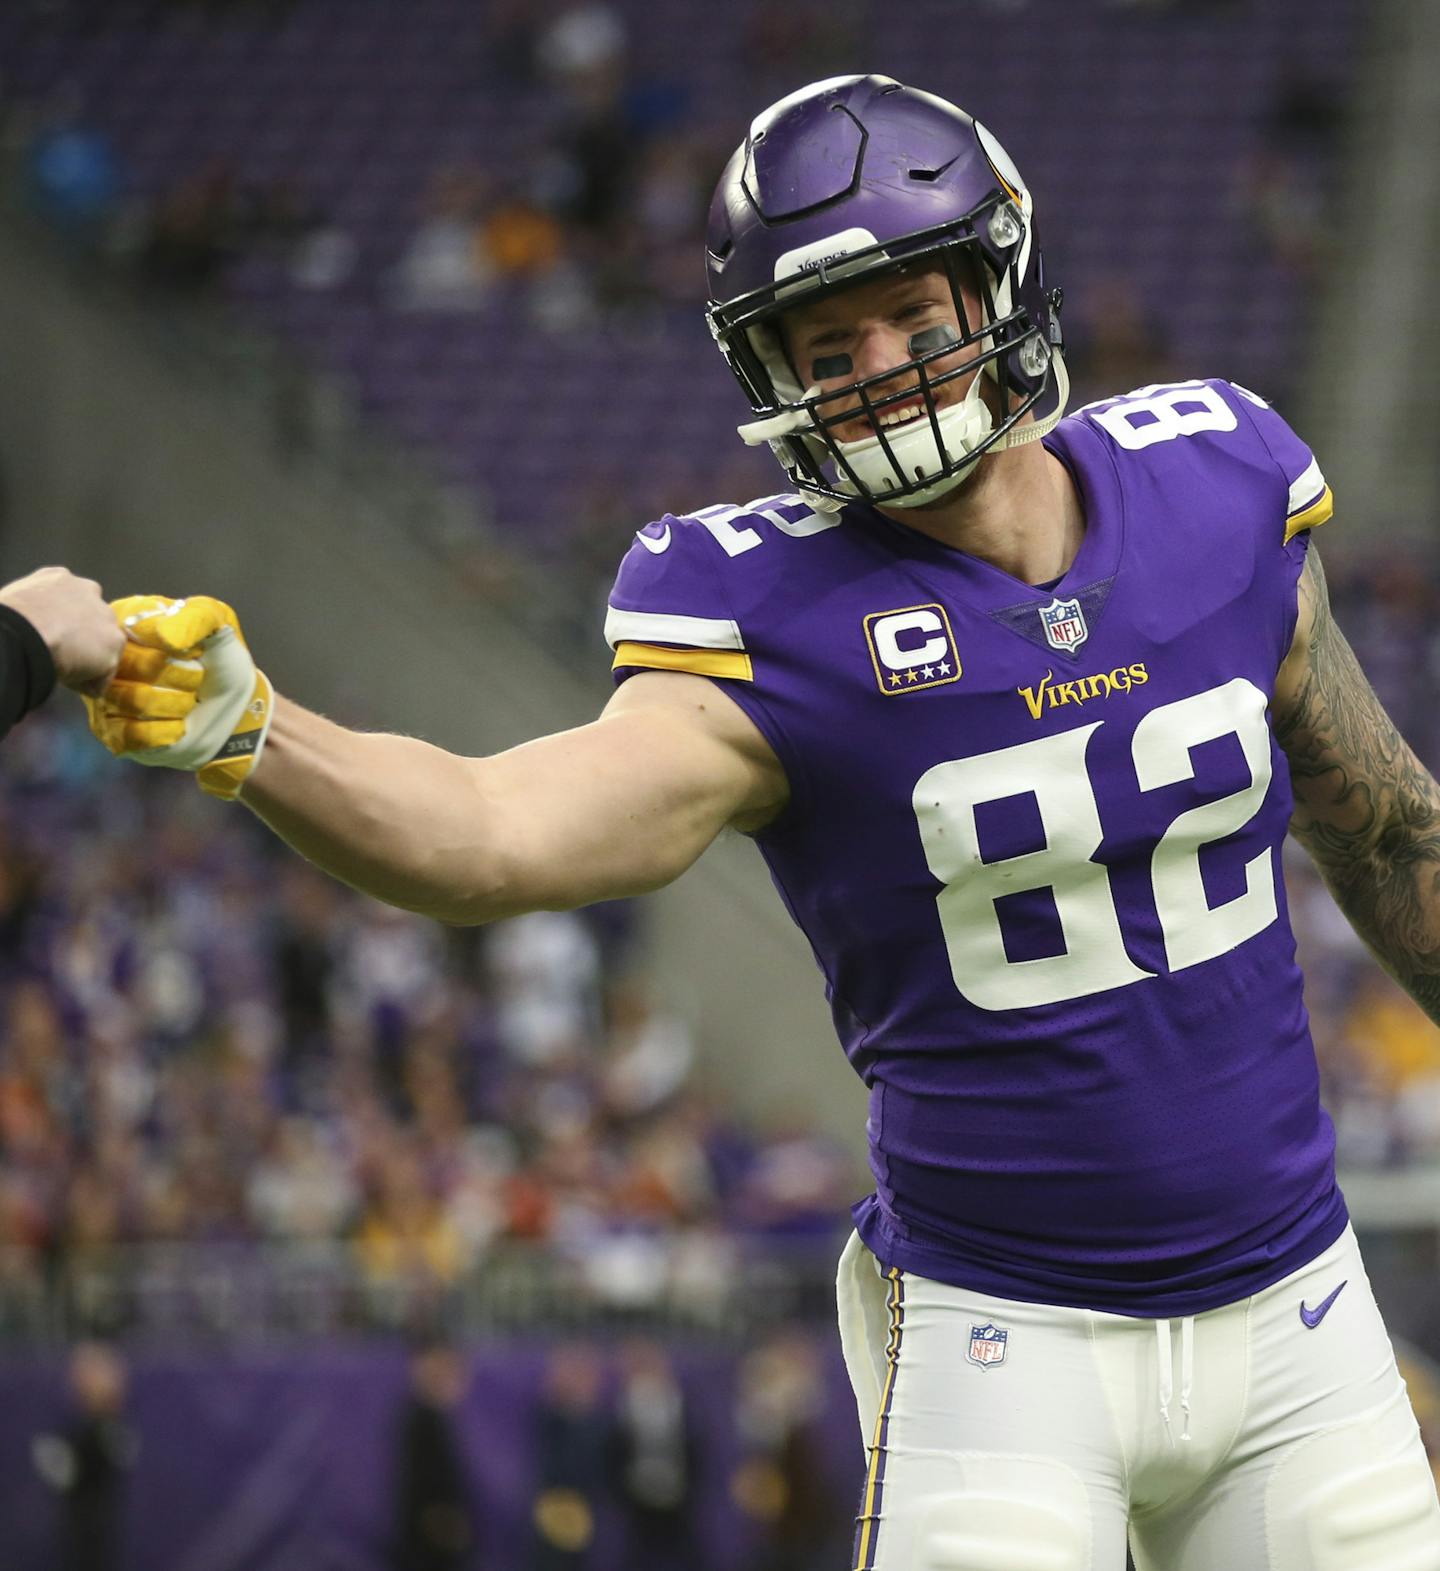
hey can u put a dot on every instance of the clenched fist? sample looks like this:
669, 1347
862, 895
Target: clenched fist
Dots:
187, 694
70, 614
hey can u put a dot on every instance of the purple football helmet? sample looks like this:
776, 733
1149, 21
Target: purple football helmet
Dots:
848, 180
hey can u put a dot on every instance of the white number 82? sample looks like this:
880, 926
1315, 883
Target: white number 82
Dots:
1053, 769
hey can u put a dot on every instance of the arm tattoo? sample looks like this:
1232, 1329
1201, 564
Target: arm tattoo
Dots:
1366, 809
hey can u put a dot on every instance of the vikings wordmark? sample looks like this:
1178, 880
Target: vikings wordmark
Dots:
1103, 684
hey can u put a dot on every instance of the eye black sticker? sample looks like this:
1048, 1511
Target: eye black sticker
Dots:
827, 366
940, 336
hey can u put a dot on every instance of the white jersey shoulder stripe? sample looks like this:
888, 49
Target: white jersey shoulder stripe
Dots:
658, 627
1306, 491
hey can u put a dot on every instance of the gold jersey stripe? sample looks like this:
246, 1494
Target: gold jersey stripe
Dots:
702, 662
1313, 516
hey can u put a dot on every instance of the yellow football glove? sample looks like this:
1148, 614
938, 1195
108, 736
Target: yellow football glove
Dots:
186, 694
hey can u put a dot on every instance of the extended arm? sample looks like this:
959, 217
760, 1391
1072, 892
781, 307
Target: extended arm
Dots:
1366, 809
617, 807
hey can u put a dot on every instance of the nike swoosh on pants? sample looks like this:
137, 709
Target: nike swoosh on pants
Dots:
1313, 1317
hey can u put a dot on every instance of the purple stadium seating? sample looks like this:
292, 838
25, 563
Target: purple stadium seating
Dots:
1134, 126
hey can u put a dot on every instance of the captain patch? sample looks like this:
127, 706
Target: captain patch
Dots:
912, 649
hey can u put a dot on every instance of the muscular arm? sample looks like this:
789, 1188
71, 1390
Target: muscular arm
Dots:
1366, 809
617, 807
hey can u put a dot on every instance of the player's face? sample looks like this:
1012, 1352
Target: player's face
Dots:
876, 327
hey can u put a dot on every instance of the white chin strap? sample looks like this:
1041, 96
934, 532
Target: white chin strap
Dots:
913, 452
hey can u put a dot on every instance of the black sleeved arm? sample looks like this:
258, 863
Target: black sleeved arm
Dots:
27, 673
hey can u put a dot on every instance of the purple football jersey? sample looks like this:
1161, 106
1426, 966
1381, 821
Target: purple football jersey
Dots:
1034, 840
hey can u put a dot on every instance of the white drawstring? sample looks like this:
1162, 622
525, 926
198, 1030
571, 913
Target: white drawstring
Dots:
1187, 1369
1167, 1373
1165, 1359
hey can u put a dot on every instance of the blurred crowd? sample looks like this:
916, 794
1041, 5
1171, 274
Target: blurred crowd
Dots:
202, 1039
604, 213
560, 208
602, 217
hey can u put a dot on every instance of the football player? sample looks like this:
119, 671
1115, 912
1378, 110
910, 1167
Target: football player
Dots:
1018, 709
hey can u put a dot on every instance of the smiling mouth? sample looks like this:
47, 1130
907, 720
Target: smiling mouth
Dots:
857, 426
902, 414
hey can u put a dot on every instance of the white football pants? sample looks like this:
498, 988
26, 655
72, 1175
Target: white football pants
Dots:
1007, 1436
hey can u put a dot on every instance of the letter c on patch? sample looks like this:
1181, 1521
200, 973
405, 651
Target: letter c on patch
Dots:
888, 630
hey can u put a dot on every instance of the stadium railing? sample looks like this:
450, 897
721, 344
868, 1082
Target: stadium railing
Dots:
713, 1288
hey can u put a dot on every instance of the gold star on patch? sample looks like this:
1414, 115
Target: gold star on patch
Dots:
895, 679
912, 675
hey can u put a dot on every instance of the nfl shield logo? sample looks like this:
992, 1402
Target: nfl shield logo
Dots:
1064, 624
987, 1345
